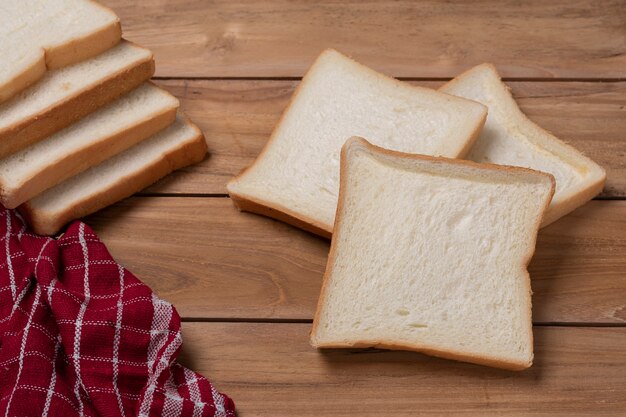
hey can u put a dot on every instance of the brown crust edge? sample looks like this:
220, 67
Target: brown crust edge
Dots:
23, 80
76, 50
84, 102
281, 213
455, 355
573, 202
86, 46
187, 153
265, 208
588, 192
76, 163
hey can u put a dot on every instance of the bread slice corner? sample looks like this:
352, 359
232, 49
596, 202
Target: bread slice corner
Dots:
119, 177
68, 94
446, 275
104, 133
296, 177
511, 138
39, 35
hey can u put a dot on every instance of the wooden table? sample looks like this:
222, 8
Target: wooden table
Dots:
246, 286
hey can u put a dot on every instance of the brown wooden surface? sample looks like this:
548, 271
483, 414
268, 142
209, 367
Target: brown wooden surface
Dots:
271, 370
278, 38
211, 261
247, 285
237, 118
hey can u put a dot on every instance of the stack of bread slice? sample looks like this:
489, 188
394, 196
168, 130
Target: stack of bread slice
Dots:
81, 126
428, 252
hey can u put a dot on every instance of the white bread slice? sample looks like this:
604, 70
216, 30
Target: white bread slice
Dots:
65, 95
510, 138
104, 133
179, 145
296, 176
430, 254
41, 34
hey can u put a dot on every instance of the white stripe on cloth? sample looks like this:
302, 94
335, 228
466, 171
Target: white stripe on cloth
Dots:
18, 302
194, 392
159, 333
7, 249
24, 225
23, 346
218, 400
116, 340
162, 364
31, 315
173, 405
159, 330
79, 320
51, 289
53, 379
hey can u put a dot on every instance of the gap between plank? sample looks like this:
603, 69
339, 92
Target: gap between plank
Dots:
184, 195
224, 195
242, 320
309, 321
442, 79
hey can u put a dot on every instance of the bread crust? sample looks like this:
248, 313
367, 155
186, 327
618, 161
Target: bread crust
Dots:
71, 165
391, 344
72, 108
56, 56
24, 79
87, 46
187, 153
573, 201
284, 215
277, 211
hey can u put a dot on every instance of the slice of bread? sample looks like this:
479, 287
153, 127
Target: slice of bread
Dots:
430, 254
179, 145
510, 138
65, 95
104, 133
41, 34
296, 176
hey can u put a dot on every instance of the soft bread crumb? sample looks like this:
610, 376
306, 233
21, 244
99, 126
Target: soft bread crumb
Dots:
510, 138
430, 255
296, 177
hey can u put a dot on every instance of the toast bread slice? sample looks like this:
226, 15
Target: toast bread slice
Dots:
296, 176
510, 138
104, 133
430, 254
65, 95
119, 177
38, 35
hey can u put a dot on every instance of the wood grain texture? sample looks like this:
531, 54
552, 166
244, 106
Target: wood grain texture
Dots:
213, 262
270, 370
237, 118
278, 38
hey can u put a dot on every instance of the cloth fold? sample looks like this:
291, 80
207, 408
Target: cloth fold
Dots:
81, 336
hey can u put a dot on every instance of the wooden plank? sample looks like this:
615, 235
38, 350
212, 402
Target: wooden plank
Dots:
238, 117
270, 370
278, 38
213, 262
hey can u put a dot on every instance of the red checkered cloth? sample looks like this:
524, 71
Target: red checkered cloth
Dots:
81, 336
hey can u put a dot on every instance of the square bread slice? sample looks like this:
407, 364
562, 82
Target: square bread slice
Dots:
104, 133
430, 254
296, 176
65, 95
179, 145
510, 138
41, 34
